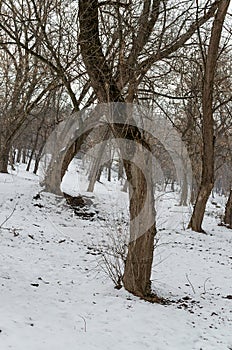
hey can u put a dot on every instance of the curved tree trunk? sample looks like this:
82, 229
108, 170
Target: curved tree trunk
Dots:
65, 149
58, 166
140, 251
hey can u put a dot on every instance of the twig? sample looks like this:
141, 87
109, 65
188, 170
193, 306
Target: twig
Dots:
190, 283
8, 217
85, 325
205, 285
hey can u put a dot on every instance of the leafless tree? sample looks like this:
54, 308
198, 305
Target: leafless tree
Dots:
149, 42
210, 64
24, 84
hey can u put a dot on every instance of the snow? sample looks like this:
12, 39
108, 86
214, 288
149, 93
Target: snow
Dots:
53, 293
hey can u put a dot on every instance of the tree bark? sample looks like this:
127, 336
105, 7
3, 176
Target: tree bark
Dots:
19, 155
120, 169
30, 159
184, 191
24, 154
228, 211
4, 157
109, 166
139, 260
37, 159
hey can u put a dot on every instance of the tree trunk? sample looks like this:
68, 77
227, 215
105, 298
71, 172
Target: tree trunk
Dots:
207, 179
228, 211
96, 168
52, 179
66, 144
109, 166
184, 191
4, 157
120, 169
30, 159
37, 160
125, 186
33, 149
194, 190
139, 260
24, 160
12, 159
19, 154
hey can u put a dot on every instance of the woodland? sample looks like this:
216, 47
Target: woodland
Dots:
62, 60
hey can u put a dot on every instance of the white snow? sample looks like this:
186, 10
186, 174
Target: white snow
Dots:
53, 294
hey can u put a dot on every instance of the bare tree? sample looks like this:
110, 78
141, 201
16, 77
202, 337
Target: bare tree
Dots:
207, 177
108, 87
23, 86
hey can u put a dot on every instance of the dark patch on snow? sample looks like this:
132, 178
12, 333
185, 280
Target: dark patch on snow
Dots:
83, 207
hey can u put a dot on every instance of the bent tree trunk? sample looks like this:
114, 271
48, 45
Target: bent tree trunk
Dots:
63, 145
58, 166
228, 211
207, 179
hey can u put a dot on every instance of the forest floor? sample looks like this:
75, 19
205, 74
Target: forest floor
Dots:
54, 292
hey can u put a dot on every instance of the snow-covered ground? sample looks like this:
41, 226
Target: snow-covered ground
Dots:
54, 294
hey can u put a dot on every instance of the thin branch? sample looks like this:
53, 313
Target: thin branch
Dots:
190, 283
9, 216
